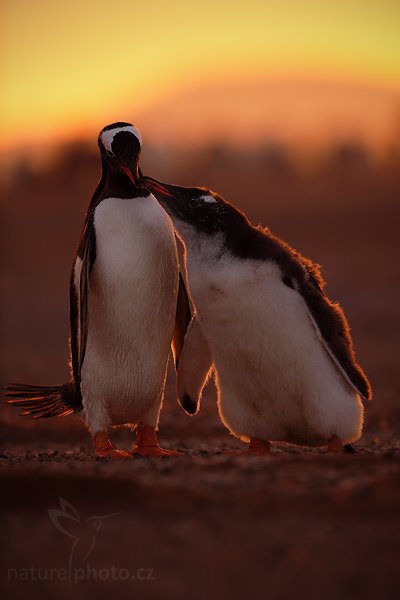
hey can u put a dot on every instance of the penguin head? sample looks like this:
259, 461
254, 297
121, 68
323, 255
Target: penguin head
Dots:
202, 218
120, 145
196, 209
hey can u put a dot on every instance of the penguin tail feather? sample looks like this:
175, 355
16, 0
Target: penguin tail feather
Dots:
42, 401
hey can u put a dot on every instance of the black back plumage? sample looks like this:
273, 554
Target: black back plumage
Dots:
245, 241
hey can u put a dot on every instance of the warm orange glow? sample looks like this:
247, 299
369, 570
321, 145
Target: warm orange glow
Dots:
292, 111
219, 69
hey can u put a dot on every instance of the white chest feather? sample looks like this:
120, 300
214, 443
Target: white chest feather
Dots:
132, 303
275, 378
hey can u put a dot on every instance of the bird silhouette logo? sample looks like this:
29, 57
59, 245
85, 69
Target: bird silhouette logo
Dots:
83, 531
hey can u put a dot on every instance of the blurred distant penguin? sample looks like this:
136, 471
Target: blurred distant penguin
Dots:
124, 307
282, 351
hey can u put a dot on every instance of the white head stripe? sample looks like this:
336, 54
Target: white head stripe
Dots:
208, 199
108, 136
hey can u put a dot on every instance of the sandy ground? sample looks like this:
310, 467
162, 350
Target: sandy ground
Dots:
206, 525
298, 523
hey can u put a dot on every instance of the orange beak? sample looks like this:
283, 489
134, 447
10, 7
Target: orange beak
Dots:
156, 186
132, 176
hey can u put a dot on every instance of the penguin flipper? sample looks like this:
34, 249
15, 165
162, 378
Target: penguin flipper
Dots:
87, 265
194, 368
182, 321
41, 401
79, 301
328, 319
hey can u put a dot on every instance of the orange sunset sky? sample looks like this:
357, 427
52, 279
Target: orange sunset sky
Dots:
191, 72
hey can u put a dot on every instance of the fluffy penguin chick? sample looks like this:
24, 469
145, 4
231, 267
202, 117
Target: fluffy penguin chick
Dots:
123, 300
282, 351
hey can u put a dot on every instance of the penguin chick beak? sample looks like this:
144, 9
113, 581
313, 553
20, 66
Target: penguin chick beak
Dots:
157, 187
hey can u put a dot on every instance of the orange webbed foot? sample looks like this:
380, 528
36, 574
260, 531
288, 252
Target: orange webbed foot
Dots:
105, 449
147, 445
113, 453
256, 447
335, 445
154, 452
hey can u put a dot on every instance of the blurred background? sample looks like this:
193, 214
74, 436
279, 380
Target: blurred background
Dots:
289, 109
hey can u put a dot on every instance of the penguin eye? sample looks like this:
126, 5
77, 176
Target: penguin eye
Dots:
194, 203
109, 153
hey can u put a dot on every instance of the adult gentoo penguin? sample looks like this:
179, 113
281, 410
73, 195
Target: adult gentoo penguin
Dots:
282, 351
123, 308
